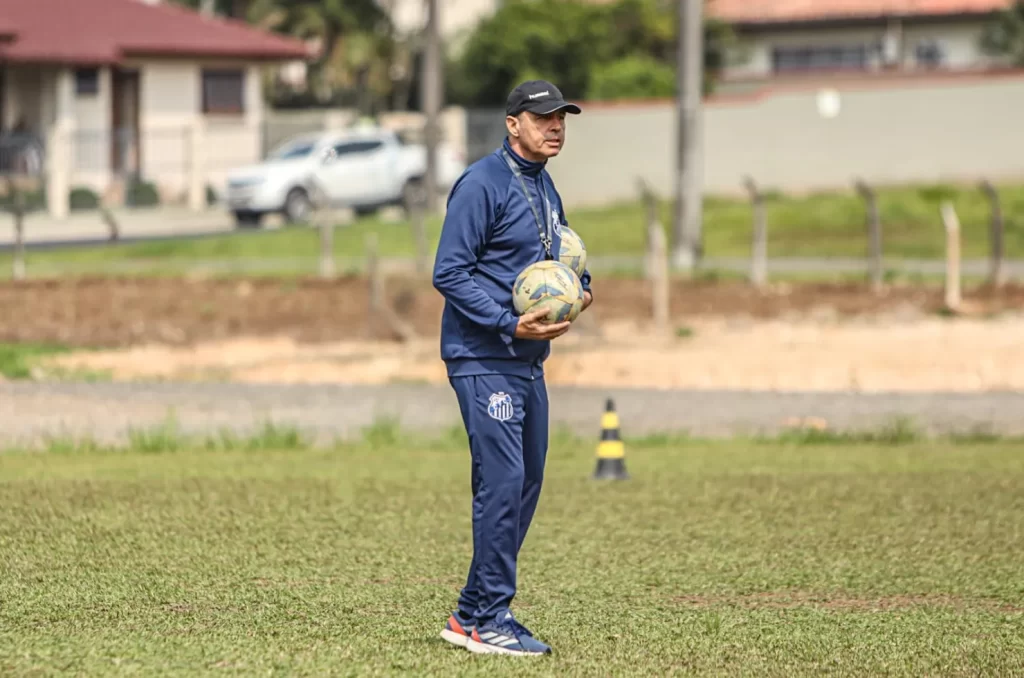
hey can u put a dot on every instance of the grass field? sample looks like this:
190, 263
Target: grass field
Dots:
825, 225
755, 558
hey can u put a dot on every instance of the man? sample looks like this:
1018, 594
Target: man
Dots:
503, 215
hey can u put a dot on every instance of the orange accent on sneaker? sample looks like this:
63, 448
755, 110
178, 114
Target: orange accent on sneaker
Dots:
454, 624
476, 636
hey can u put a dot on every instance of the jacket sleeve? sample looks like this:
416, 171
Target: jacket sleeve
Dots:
464, 233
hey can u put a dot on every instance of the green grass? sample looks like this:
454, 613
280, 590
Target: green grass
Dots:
800, 556
822, 225
18, 360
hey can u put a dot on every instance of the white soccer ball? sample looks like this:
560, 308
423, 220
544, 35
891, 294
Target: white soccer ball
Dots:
573, 253
551, 285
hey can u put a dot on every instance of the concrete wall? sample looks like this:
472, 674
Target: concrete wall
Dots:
891, 131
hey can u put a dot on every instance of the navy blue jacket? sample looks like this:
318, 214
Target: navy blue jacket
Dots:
489, 236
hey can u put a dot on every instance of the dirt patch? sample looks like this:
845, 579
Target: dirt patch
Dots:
930, 354
781, 600
725, 335
109, 312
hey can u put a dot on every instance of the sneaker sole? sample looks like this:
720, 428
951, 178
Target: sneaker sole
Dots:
457, 639
484, 648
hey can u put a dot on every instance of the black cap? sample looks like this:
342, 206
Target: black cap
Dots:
537, 96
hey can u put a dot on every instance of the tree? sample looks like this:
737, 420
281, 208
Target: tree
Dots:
1003, 37
356, 40
624, 49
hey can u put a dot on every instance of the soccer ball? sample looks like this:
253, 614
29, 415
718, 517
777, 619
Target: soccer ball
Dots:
573, 253
551, 285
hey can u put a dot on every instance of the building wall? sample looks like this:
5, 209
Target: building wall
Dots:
957, 39
887, 131
171, 110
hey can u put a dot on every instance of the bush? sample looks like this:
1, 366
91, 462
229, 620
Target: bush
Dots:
82, 198
142, 194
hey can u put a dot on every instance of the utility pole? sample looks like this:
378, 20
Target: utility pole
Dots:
433, 92
686, 222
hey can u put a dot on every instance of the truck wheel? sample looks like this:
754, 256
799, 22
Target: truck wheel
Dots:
297, 206
245, 219
414, 193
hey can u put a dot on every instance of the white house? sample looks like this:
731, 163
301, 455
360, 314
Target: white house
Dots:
788, 39
114, 91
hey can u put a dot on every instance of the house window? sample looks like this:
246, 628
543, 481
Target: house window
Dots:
87, 81
831, 58
223, 91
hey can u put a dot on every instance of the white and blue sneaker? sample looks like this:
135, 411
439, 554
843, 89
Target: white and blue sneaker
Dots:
458, 628
505, 635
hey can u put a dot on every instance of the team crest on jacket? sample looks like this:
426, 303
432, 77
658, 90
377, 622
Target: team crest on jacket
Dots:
500, 406
556, 223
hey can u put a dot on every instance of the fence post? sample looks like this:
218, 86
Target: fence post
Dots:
952, 224
323, 219
657, 260
874, 224
196, 170
416, 204
997, 272
18, 211
759, 247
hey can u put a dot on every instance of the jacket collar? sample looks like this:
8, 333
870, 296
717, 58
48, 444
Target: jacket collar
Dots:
527, 167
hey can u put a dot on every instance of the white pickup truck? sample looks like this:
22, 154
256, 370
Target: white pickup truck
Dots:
364, 168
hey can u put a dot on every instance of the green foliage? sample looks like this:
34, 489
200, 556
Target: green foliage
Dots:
625, 49
633, 77
1003, 36
142, 194
17, 360
83, 198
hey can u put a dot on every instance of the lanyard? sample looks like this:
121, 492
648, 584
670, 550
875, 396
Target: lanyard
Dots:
545, 235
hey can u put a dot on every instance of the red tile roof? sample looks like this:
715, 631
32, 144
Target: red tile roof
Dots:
779, 11
108, 31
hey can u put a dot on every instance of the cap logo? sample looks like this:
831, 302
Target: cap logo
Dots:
539, 94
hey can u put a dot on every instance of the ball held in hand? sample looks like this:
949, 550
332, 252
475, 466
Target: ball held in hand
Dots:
551, 285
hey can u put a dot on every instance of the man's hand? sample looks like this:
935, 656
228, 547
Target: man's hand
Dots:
588, 299
531, 326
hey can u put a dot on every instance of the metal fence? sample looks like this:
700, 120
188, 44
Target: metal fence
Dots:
485, 130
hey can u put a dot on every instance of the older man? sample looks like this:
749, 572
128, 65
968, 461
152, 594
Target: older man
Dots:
503, 215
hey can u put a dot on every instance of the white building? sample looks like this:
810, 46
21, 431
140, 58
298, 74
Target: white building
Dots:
800, 39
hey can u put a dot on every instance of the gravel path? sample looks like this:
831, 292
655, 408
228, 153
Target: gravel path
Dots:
29, 411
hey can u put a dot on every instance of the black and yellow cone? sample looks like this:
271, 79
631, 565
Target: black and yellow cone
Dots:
611, 452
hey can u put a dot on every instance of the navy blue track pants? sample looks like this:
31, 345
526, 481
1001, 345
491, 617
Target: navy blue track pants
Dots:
506, 418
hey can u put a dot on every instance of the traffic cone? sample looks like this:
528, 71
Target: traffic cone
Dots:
611, 452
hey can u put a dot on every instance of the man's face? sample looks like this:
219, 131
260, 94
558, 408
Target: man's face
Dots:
541, 135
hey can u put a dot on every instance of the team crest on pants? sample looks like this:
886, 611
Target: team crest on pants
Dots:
500, 406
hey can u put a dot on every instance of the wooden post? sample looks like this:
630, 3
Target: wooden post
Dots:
650, 203
874, 223
759, 247
373, 274
657, 264
323, 216
18, 211
418, 219
659, 272
111, 221
997, 272
952, 224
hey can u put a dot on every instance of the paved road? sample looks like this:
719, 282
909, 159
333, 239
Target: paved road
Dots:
89, 229
106, 411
